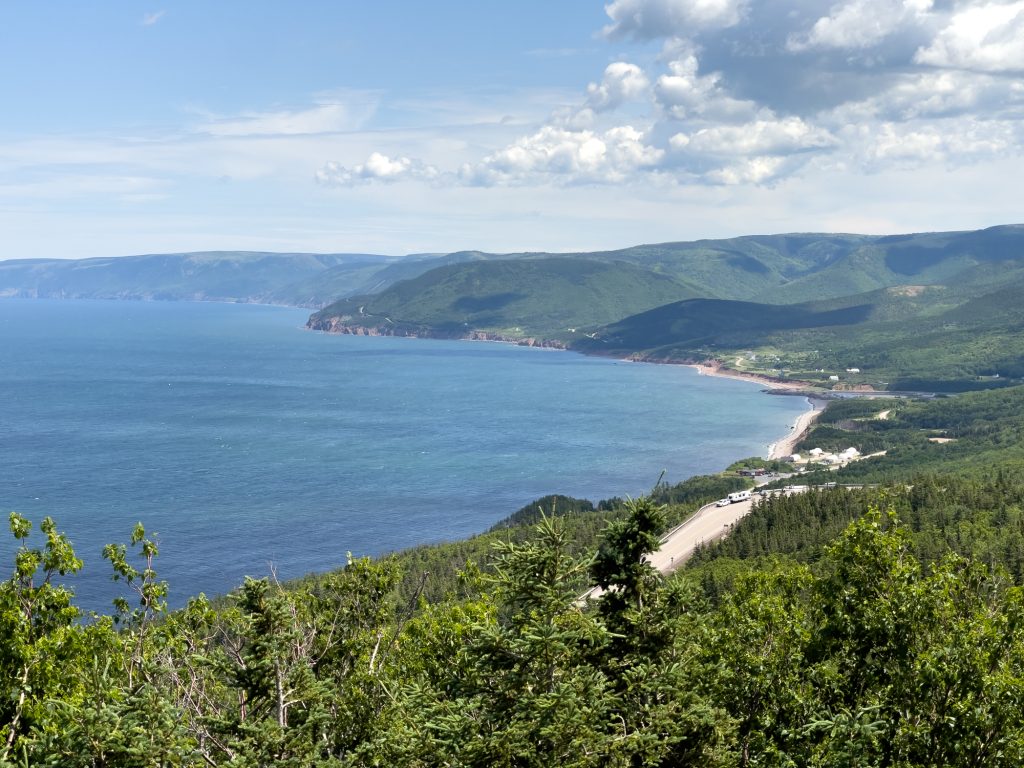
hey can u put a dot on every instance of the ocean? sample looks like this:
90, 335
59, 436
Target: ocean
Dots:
250, 445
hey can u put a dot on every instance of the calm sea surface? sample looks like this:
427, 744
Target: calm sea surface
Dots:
249, 443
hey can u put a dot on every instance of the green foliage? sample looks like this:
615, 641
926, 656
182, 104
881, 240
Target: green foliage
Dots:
683, 498
551, 506
519, 298
757, 462
620, 567
866, 641
437, 572
983, 430
878, 661
42, 644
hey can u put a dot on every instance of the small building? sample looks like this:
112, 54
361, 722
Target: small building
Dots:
833, 377
796, 458
816, 452
853, 370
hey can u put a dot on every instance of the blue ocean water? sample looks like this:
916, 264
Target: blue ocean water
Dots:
249, 444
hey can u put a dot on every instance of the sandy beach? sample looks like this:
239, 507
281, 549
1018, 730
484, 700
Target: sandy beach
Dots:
714, 369
784, 446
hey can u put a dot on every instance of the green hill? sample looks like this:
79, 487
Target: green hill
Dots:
925, 311
904, 337
553, 298
941, 258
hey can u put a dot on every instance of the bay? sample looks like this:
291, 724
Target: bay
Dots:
251, 445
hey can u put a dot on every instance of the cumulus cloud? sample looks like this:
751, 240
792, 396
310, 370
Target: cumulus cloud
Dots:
762, 137
755, 170
149, 19
580, 156
860, 24
749, 92
378, 167
683, 92
887, 145
622, 82
988, 37
937, 95
655, 19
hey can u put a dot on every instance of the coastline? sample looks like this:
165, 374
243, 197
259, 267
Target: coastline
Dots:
716, 369
784, 446
776, 450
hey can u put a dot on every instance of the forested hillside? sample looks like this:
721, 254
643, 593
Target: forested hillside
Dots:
873, 651
936, 311
875, 620
521, 298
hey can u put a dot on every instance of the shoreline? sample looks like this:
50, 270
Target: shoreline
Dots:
783, 446
776, 450
716, 369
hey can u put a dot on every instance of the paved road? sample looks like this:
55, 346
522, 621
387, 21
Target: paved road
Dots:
708, 524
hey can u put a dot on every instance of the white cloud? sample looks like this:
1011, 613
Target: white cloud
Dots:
345, 111
572, 156
787, 136
685, 93
748, 92
859, 24
150, 19
878, 147
622, 82
988, 37
654, 19
755, 171
377, 167
936, 95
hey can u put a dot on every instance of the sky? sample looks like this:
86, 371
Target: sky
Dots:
402, 127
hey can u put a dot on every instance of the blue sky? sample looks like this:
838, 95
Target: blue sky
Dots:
399, 127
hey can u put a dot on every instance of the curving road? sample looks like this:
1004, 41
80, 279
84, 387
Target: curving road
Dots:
709, 523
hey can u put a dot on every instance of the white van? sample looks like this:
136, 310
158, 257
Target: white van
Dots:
738, 496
